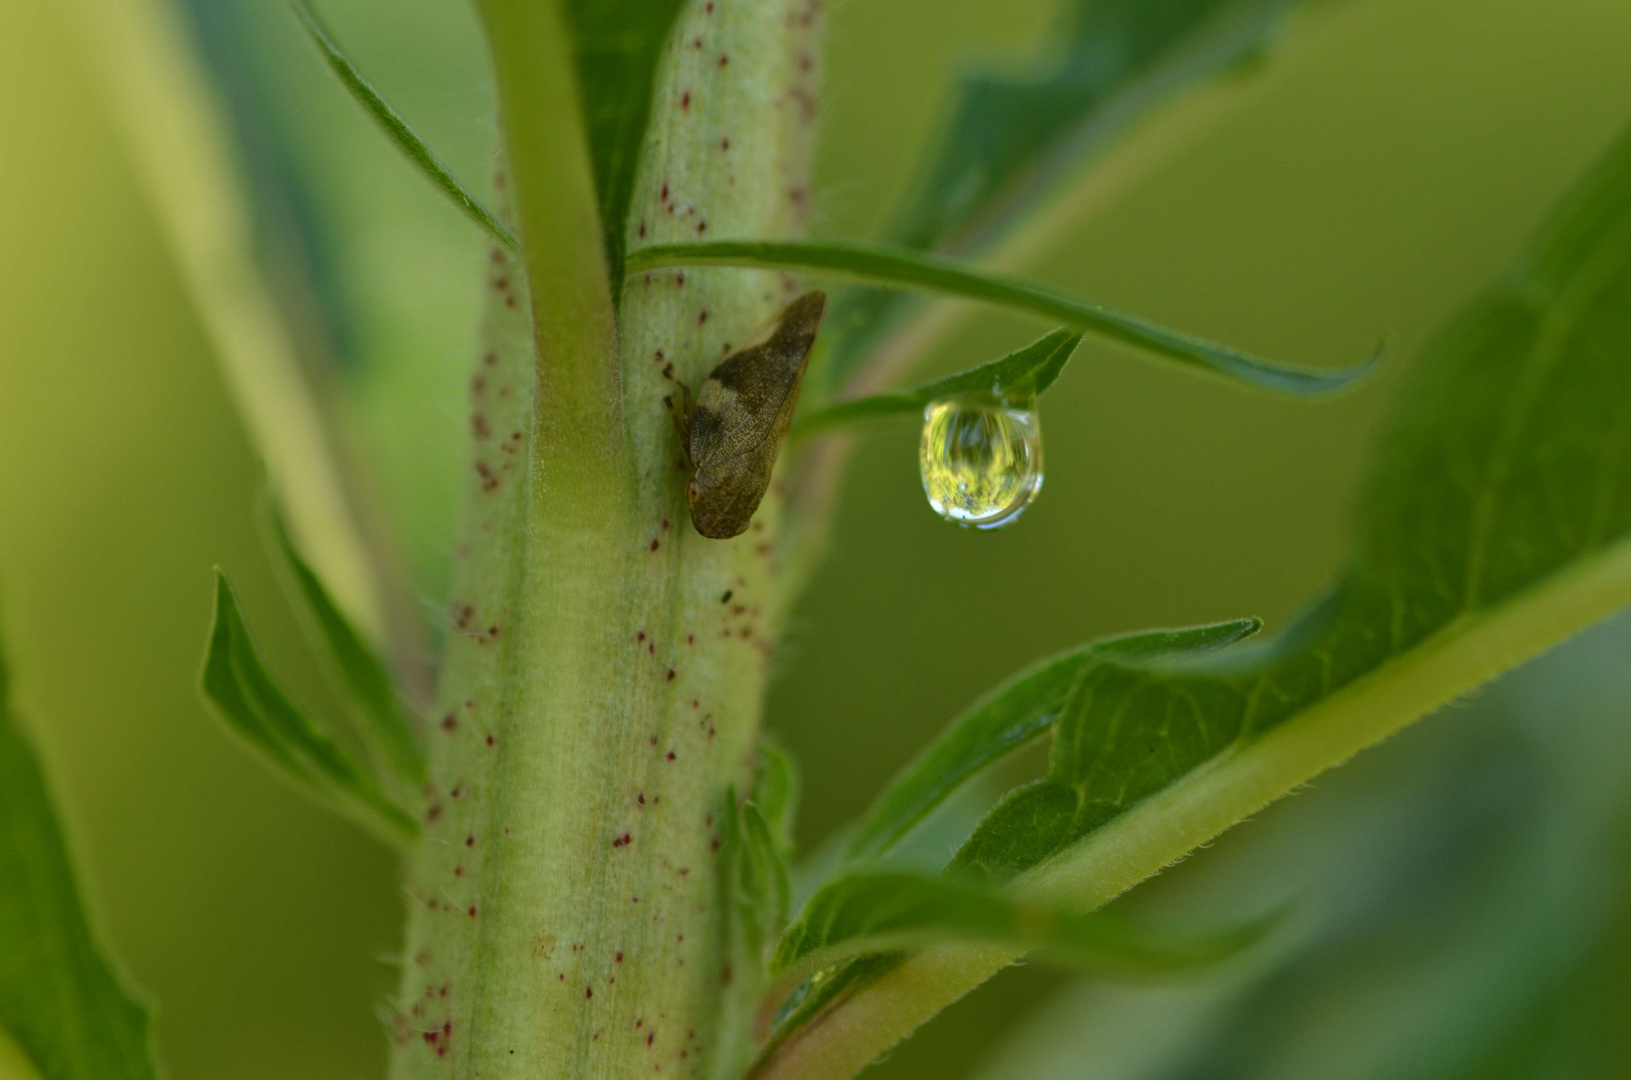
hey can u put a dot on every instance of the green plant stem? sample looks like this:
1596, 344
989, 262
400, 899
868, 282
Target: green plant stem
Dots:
598, 699
578, 452
1459, 658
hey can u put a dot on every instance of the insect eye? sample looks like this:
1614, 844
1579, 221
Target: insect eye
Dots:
691, 492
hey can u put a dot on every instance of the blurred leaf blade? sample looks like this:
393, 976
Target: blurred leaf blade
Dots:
1020, 376
876, 912
366, 680
1004, 131
62, 1002
397, 130
1021, 709
757, 895
776, 793
1496, 523
181, 151
1011, 143
250, 703
765, 878
903, 267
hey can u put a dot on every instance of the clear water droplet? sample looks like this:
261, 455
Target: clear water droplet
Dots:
981, 459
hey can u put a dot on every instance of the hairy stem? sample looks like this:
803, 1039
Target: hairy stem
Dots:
577, 455
600, 691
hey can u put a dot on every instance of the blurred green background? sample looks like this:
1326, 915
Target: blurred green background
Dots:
1368, 184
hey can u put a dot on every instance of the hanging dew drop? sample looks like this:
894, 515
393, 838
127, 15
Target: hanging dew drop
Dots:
981, 459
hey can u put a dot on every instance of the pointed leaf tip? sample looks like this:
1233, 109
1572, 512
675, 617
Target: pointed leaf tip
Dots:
1021, 376
362, 673
397, 130
249, 702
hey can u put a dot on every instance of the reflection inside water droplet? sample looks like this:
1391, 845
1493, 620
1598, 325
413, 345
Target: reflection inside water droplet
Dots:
981, 460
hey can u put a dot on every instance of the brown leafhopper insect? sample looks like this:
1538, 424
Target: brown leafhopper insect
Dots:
734, 428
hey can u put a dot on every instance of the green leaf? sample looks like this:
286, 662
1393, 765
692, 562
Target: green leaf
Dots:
886, 911
250, 703
617, 44
757, 894
758, 882
397, 130
764, 882
67, 1010
1013, 142
775, 793
904, 267
1496, 523
1007, 132
1020, 376
1018, 711
390, 740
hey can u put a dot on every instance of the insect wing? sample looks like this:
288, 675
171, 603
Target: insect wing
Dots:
750, 396
741, 415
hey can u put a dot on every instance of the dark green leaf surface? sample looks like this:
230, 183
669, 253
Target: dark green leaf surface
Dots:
1465, 870
883, 911
1011, 140
363, 673
1117, 58
1018, 377
1007, 718
617, 43
903, 267
1496, 522
1508, 462
61, 1002
250, 703
397, 129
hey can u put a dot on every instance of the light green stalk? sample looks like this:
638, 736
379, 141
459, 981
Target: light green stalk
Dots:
599, 695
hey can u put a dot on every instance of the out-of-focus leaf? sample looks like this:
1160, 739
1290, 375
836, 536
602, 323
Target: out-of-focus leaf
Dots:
758, 892
1019, 376
1464, 897
1495, 524
904, 267
617, 44
1013, 714
776, 792
1507, 466
757, 881
372, 276
1013, 141
251, 704
397, 130
1006, 132
390, 740
765, 880
887, 911
180, 148
65, 1008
